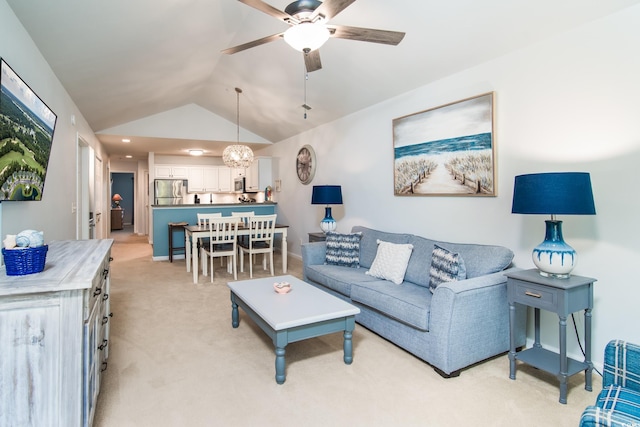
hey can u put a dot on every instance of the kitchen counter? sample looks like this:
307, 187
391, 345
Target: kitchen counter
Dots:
162, 215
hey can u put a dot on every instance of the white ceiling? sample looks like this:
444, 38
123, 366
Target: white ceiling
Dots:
123, 60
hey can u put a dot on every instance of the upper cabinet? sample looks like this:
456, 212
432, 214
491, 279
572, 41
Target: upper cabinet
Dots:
216, 179
172, 172
259, 174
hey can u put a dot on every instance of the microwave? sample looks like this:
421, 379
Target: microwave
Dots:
239, 185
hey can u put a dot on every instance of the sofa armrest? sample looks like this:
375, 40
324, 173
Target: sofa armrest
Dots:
472, 316
314, 253
594, 416
622, 365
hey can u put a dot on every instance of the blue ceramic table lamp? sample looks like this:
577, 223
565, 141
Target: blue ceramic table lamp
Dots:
555, 193
327, 195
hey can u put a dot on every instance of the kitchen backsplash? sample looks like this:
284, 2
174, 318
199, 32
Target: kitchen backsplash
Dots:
208, 198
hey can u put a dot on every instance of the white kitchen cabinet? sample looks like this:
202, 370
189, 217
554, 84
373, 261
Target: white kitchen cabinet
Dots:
172, 172
259, 174
54, 335
196, 179
217, 179
237, 173
224, 179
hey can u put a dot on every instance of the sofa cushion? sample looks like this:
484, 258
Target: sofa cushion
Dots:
369, 243
343, 249
337, 278
407, 303
391, 261
446, 266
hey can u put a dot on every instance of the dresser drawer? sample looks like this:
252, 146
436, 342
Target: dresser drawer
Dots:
535, 295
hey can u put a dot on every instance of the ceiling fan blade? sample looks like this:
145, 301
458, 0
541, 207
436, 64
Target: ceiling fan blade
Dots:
249, 45
268, 9
330, 8
366, 34
312, 61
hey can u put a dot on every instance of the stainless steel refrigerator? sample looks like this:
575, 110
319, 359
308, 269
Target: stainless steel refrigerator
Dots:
169, 191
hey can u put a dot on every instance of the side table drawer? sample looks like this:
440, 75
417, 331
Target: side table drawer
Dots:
535, 295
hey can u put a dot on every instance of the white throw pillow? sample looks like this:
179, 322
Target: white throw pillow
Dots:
391, 261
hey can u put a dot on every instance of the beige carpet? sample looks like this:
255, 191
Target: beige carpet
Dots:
175, 360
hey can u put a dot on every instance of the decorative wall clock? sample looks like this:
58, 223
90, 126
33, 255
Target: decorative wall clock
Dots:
306, 164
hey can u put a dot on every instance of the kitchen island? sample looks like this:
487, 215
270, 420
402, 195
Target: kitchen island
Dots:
164, 214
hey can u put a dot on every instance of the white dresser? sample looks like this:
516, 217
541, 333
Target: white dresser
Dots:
54, 335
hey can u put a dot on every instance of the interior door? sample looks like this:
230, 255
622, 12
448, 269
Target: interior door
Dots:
85, 217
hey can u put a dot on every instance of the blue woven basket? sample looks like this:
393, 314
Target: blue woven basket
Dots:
21, 261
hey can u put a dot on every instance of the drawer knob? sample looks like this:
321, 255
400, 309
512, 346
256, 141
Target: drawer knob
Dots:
104, 367
97, 292
531, 294
103, 345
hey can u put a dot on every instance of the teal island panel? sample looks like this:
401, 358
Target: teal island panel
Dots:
163, 215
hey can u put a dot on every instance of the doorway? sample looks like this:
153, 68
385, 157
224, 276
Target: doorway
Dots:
123, 183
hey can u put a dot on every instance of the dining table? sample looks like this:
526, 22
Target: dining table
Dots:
194, 232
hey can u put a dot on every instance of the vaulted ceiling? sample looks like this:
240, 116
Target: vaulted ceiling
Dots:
123, 60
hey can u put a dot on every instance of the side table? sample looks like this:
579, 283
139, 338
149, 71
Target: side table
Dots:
317, 237
561, 296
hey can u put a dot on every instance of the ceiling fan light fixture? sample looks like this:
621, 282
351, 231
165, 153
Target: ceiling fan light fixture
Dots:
306, 35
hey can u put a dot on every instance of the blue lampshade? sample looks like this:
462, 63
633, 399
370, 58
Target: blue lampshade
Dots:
327, 195
555, 193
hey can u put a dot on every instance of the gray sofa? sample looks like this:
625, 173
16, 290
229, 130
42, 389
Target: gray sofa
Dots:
461, 323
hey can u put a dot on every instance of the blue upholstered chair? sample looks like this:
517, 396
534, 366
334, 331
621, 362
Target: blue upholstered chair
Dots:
618, 404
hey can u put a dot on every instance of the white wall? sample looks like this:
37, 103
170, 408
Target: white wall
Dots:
53, 214
567, 104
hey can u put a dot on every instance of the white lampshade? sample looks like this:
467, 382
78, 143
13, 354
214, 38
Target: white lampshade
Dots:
306, 35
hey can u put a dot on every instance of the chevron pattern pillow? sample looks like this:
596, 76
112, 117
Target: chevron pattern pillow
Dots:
343, 249
446, 266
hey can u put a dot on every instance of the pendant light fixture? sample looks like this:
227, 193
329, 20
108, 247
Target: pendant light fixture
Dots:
237, 155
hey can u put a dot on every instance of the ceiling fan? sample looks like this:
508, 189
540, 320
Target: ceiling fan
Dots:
309, 30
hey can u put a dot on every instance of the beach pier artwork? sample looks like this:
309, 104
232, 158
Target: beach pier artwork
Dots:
447, 150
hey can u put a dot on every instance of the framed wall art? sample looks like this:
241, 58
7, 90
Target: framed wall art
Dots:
447, 150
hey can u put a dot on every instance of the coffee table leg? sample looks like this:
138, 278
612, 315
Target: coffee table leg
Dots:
348, 347
235, 319
280, 375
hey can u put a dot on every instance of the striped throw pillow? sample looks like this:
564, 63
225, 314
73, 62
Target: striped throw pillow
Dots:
446, 266
343, 249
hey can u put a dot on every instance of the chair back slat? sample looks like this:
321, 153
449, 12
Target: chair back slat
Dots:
243, 217
204, 218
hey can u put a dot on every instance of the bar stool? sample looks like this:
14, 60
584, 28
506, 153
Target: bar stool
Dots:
173, 226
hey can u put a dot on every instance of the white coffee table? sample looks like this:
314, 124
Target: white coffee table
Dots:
304, 312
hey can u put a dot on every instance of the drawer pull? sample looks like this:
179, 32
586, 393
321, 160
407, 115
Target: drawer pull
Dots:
97, 292
105, 319
110, 258
104, 367
531, 294
105, 273
105, 297
103, 345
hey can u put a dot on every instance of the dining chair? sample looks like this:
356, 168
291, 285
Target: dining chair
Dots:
203, 221
259, 241
243, 217
223, 239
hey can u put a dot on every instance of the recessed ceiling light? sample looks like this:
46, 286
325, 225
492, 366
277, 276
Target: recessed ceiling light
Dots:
196, 152
129, 156
126, 140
